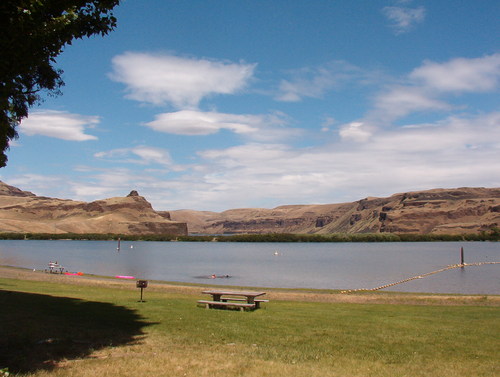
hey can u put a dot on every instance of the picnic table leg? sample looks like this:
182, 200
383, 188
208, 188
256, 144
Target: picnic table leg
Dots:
216, 297
251, 300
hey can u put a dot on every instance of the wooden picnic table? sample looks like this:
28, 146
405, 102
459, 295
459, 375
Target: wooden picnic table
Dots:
54, 268
238, 299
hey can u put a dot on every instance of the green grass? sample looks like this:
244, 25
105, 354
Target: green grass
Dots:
102, 331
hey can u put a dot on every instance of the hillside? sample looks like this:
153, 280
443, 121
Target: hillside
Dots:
439, 211
22, 211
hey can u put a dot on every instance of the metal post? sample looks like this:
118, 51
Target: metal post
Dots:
462, 257
142, 284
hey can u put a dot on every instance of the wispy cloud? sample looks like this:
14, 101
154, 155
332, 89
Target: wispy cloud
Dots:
59, 124
35, 182
403, 19
355, 131
142, 155
426, 87
314, 82
191, 122
443, 154
182, 82
372, 155
398, 101
104, 183
447, 153
460, 74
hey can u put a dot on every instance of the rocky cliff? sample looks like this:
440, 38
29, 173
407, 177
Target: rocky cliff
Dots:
22, 211
441, 211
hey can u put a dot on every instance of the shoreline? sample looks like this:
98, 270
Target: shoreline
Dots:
280, 294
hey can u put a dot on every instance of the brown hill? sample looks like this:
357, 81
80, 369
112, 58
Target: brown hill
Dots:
442, 211
22, 211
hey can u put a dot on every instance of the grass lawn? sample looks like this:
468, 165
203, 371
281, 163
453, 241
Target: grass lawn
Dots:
60, 329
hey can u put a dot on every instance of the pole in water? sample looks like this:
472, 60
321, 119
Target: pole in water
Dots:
462, 257
118, 248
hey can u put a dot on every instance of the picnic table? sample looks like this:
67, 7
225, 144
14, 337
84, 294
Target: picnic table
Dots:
54, 268
235, 299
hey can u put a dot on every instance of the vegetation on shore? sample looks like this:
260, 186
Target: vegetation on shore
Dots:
80, 329
492, 235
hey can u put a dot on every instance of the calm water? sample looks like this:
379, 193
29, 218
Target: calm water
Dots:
290, 265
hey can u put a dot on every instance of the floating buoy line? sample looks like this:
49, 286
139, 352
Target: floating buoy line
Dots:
451, 267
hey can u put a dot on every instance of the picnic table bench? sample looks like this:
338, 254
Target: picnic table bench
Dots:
233, 299
54, 268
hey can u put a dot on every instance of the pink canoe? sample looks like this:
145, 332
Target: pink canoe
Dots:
124, 277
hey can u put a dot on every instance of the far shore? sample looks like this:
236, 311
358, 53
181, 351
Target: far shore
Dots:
282, 294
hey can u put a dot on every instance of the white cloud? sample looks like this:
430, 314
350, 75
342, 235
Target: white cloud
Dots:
449, 136
315, 82
59, 124
182, 82
399, 101
460, 74
101, 183
452, 153
327, 123
355, 131
191, 122
90, 192
143, 155
32, 182
423, 89
369, 157
455, 152
403, 19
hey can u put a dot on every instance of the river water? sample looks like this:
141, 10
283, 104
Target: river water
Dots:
286, 265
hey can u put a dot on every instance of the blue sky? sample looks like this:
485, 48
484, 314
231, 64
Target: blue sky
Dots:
220, 104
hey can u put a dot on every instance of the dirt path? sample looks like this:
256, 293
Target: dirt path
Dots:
272, 294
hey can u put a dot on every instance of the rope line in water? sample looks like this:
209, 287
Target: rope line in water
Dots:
419, 276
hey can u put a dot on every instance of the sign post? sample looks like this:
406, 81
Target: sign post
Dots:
142, 284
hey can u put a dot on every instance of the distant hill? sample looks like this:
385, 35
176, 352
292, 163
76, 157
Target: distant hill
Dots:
438, 211
24, 212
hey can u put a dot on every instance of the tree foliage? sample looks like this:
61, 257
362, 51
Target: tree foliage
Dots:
32, 34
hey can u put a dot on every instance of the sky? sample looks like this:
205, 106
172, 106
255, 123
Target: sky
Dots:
220, 104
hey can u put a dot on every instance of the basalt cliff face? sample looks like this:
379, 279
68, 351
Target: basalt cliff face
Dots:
23, 211
440, 211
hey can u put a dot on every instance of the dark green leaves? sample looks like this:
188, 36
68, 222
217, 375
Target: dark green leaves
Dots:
32, 34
